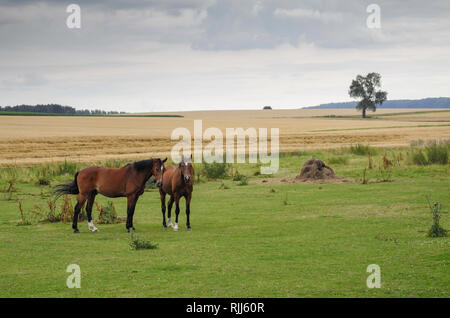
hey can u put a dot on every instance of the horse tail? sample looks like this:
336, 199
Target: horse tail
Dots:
66, 188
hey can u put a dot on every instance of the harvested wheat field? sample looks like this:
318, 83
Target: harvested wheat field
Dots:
34, 139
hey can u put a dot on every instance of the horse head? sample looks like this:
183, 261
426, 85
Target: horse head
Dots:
158, 170
187, 171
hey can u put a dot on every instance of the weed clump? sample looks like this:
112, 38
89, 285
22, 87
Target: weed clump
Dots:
108, 214
23, 218
433, 153
216, 170
437, 153
436, 230
241, 178
140, 244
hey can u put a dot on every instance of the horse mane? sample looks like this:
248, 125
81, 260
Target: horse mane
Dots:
142, 165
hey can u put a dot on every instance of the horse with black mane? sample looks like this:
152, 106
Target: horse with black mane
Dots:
178, 181
128, 181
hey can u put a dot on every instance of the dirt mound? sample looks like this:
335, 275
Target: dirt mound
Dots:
316, 170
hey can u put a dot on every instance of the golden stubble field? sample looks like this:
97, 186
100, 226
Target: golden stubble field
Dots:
28, 140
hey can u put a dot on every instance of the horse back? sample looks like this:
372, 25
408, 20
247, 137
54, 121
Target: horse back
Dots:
110, 182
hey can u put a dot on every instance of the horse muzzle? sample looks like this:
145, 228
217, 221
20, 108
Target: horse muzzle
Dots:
159, 184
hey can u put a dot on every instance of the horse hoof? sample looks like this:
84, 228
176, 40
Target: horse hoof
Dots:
189, 228
165, 226
76, 231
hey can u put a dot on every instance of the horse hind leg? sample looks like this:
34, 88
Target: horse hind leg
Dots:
90, 204
80, 203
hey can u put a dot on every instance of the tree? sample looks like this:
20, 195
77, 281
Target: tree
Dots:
365, 88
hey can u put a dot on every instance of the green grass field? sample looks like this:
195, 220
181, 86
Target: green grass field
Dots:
270, 239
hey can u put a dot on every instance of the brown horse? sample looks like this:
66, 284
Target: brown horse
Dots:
177, 182
128, 181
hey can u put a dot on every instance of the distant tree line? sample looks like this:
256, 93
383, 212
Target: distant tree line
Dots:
55, 109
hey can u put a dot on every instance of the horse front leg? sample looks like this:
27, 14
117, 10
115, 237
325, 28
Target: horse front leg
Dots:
163, 207
177, 211
188, 211
131, 205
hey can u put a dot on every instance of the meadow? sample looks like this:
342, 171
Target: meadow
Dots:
253, 236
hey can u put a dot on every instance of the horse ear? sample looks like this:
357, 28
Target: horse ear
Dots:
164, 160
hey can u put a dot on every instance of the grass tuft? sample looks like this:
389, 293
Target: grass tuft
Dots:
436, 230
140, 244
362, 150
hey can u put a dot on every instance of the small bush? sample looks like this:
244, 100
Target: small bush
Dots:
238, 177
433, 153
362, 150
418, 158
216, 170
108, 214
243, 181
140, 244
436, 230
437, 153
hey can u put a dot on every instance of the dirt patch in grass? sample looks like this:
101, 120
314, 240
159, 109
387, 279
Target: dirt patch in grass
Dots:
316, 171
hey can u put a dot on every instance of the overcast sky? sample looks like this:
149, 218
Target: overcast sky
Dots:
167, 55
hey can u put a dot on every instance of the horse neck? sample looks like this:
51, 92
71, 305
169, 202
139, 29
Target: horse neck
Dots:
143, 176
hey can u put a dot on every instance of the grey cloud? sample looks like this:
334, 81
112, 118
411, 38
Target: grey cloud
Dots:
226, 25
233, 25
